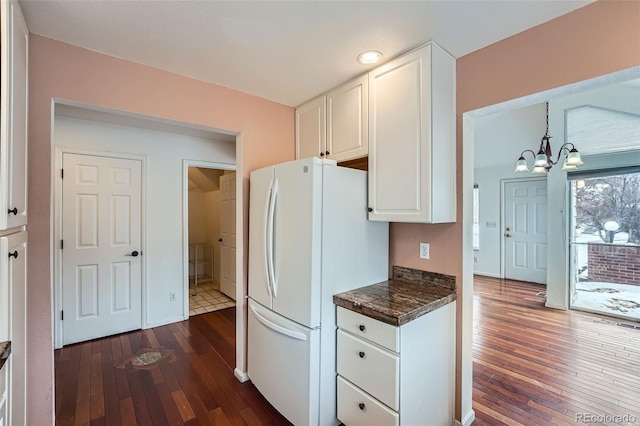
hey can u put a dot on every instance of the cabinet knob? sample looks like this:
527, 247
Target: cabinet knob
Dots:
361, 354
14, 211
14, 254
361, 406
322, 154
220, 240
369, 209
327, 152
362, 327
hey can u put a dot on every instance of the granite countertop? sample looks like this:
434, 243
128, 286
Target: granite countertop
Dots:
408, 295
5, 350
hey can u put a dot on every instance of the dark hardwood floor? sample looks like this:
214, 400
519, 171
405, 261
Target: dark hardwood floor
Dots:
532, 366
538, 366
191, 383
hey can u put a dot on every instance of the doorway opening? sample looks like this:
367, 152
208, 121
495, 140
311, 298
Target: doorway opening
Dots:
210, 239
605, 242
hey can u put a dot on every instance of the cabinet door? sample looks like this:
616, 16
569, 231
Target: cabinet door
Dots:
13, 139
311, 129
412, 138
399, 154
13, 281
348, 120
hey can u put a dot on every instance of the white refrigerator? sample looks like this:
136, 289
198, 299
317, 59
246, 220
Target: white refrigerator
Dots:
309, 238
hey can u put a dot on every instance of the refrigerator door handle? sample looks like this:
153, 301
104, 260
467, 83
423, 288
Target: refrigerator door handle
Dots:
278, 328
267, 227
271, 238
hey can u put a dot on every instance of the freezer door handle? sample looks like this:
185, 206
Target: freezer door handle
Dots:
266, 251
271, 238
278, 328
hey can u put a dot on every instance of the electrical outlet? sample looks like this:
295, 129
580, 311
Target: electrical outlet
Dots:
172, 297
424, 250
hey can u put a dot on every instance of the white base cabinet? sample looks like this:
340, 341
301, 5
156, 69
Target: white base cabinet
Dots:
412, 143
400, 376
13, 326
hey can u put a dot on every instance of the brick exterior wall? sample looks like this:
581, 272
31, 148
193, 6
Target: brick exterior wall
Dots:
614, 264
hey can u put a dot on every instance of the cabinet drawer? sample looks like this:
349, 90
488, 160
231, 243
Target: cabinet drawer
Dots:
369, 367
355, 407
378, 332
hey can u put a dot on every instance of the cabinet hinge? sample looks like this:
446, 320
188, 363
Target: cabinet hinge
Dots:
61, 173
61, 315
61, 244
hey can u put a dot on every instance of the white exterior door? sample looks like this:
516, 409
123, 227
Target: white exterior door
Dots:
228, 234
101, 232
525, 231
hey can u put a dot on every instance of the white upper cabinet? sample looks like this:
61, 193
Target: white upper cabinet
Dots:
13, 116
348, 120
412, 145
335, 125
311, 128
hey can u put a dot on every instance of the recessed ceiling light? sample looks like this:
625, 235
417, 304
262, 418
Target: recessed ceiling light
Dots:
369, 57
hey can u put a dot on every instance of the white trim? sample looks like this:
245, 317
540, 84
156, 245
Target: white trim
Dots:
241, 279
242, 377
503, 215
56, 267
467, 420
487, 274
185, 222
164, 321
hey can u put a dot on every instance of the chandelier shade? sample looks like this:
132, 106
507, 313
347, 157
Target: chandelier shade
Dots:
543, 161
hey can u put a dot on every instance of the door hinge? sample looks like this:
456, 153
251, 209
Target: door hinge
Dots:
61, 173
61, 315
61, 244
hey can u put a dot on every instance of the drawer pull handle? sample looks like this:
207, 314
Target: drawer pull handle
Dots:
14, 254
361, 405
362, 327
14, 211
361, 354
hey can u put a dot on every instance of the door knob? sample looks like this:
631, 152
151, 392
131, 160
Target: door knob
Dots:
507, 235
133, 253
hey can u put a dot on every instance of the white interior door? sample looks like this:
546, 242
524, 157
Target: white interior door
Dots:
101, 232
525, 231
228, 234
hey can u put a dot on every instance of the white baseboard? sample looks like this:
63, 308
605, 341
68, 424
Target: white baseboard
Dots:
467, 420
551, 305
487, 274
241, 376
163, 322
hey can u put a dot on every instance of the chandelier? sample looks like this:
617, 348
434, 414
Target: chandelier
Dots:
543, 161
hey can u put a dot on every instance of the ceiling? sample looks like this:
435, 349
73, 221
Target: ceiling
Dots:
285, 51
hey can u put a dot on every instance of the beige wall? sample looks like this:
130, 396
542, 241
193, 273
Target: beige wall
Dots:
595, 40
61, 71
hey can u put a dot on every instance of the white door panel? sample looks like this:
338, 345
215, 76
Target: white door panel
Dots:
13, 286
297, 241
101, 279
259, 195
228, 233
526, 231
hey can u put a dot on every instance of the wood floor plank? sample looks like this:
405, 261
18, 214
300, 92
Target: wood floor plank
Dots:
532, 366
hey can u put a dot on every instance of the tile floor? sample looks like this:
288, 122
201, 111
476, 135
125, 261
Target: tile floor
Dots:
206, 297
